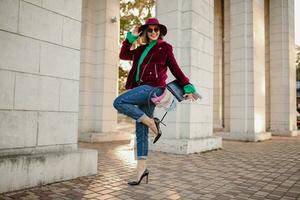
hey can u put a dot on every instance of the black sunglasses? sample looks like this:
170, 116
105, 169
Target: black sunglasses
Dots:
150, 30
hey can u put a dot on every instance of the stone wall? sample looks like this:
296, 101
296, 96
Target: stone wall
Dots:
39, 82
39, 69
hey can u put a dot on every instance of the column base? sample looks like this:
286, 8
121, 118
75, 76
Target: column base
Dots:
285, 133
105, 137
250, 137
219, 129
123, 131
186, 146
25, 171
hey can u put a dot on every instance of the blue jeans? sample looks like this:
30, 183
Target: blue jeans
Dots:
136, 103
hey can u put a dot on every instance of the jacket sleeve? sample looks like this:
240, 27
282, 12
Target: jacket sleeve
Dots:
174, 68
126, 53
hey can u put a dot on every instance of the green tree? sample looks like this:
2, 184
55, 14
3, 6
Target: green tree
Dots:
298, 62
122, 78
132, 12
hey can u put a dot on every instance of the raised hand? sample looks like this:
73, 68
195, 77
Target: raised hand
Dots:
189, 96
135, 31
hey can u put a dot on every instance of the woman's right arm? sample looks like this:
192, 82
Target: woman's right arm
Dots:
126, 53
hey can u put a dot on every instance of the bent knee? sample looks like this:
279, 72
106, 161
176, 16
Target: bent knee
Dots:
116, 103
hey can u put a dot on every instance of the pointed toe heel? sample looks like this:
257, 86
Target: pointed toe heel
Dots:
145, 174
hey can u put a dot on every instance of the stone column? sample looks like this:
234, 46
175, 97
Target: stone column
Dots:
282, 69
99, 71
218, 66
247, 71
222, 77
39, 90
226, 65
190, 31
267, 61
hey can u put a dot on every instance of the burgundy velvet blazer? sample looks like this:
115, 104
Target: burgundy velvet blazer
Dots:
153, 70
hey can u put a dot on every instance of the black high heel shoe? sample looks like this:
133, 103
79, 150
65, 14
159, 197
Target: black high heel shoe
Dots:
157, 122
145, 174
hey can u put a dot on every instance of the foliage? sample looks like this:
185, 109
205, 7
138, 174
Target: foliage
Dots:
298, 62
122, 78
132, 12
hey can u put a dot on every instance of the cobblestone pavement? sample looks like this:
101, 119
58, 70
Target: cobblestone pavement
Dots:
240, 170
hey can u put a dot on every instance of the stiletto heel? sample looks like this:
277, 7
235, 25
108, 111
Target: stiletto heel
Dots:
146, 173
157, 122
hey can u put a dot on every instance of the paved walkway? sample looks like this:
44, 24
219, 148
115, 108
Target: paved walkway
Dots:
264, 170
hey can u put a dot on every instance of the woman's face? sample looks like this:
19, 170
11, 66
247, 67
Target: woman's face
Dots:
153, 32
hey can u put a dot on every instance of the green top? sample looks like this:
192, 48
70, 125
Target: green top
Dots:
189, 88
144, 54
131, 38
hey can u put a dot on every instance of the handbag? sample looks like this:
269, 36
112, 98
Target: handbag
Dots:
177, 90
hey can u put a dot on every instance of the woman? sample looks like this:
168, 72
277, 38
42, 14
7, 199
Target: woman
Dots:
146, 79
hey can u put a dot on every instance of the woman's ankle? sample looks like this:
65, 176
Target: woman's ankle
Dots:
141, 166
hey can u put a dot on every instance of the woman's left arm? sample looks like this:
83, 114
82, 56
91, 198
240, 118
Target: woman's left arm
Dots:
174, 68
189, 88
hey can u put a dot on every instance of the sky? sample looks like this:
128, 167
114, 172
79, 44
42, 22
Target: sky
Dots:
297, 22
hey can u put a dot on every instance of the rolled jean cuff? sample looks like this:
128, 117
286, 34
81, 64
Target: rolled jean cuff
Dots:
142, 157
141, 117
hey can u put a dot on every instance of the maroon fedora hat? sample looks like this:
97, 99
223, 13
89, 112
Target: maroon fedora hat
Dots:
154, 21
